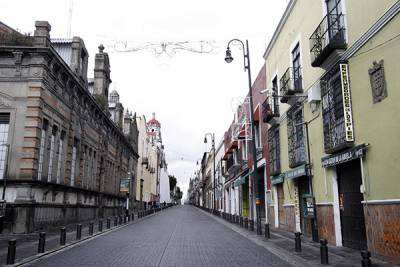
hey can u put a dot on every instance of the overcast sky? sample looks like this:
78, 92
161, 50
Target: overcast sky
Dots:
190, 93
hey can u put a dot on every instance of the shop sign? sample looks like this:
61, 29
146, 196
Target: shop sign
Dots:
296, 172
308, 206
347, 155
124, 185
277, 179
348, 120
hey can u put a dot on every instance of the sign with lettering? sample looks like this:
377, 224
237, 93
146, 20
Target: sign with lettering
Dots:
296, 172
124, 185
344, 156
348, 119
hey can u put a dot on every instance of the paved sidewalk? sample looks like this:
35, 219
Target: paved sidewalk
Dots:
283, 242
27, 244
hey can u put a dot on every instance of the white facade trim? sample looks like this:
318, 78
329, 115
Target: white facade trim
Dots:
278, 29
288, 205
376, 27
382, 201
336, 210
276, 206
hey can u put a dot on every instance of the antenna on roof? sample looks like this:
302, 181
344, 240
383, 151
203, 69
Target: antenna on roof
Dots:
71, 6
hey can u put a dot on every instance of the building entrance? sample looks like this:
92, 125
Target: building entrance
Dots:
351, 209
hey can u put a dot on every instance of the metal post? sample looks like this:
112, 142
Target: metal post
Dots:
133, 216
100, 225
366, 261
91, 228
63, 236
324, 251
246, 223
297, 242
42, 242
267, 233
12, 245
251, 224
115, 220
108, 223
78, 231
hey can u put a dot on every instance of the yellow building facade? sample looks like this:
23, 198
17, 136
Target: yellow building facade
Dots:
332, 78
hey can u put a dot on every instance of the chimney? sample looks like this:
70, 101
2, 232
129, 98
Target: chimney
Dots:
79, 58
42, 33
102, 75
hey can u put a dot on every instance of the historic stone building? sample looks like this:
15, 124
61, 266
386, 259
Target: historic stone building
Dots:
63, 152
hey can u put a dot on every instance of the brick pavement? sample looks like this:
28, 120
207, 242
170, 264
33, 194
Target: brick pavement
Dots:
180, 236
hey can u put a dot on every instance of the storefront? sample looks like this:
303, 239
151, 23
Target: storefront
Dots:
304, 201
350, 185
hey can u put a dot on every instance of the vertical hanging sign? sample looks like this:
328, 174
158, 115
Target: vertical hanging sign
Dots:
348, 119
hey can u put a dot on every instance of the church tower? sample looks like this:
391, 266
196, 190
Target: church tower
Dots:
154, 130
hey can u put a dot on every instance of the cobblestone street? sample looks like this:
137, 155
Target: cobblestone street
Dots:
181, 236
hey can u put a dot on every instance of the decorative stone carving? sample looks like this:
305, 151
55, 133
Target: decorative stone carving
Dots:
378, 82
18, 62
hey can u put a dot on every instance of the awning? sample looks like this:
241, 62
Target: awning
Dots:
344, 156
242, 179
296, 172
277, 179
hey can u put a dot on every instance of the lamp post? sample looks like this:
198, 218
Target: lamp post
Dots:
213, 148
246, 60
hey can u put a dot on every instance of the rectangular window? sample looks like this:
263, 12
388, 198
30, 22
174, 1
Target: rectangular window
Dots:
60, 155
275, 100
257, 135
274, 151
4, 146
42, 148
297, 79
295, 130
333, 113
73, 162
51, 153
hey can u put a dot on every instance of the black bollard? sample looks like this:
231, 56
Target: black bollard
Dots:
78, 231
124, 219
115, 221
108, 223
42, 242
133, 216
241, 221
251, 225
246, 223
267, 234
366, 261
91, 228
100, 225
324, 251
120, 219
297, 242
63, 236
12, 244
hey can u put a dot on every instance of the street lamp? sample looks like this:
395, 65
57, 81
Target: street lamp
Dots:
213, 148
246, 60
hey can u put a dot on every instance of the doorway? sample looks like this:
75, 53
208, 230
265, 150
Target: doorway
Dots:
351, 210
304, 190
261, 191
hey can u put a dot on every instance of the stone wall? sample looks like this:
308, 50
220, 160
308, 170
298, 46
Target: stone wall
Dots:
382, 223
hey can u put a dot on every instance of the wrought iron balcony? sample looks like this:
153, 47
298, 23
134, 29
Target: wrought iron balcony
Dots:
291, 83
329, 36
269, 111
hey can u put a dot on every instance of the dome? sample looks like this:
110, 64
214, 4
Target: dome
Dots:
153, 121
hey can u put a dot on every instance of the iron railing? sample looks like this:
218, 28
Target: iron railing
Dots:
328, 36
291, 83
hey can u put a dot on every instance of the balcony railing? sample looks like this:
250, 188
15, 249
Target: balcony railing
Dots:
329, 36
291, 83
269, 110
